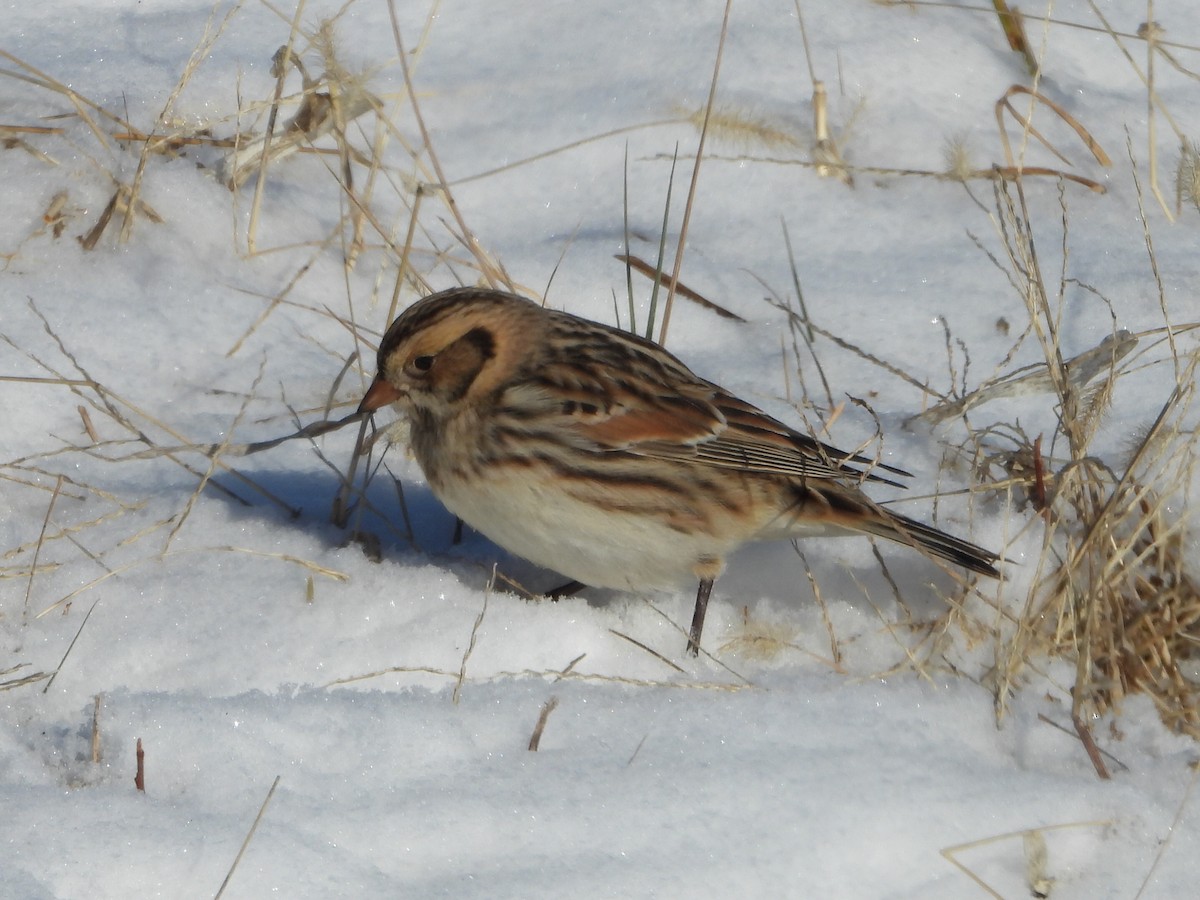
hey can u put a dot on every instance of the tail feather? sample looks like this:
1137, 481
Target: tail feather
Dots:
832, 509
904, 530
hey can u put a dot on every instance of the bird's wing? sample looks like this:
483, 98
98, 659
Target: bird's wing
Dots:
698, 422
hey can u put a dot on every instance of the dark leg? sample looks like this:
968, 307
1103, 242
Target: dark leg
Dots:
702, 594
570, 589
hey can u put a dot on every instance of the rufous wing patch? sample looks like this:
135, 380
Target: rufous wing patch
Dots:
632, 426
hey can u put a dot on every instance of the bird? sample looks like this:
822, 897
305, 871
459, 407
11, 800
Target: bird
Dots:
596, 453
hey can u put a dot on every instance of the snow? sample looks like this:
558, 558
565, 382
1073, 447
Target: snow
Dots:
242, 637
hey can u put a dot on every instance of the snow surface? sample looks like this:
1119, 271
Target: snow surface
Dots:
395, 699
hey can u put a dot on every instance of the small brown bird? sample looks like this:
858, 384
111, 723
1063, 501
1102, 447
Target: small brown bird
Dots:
597, 454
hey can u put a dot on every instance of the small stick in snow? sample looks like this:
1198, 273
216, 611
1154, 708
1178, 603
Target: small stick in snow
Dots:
96, 729
87, 424
536, 738
1089, 744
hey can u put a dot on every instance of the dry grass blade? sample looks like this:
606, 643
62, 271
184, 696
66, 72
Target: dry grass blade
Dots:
309, 431
71, 646
1004, 104
551, 674
746, 682
391, 670
691, 197
1074, 733
643, 267
13, 130
1150, 33
1153, 258
1113, 592
172, 144
280, 70
1122, 599
14, 683
826, 155
491, 270
1089, 745
119, 409
83, 106
307, 564
1013, 24
950, 854
249, 836
841, 342
121, 203
1171, 831
827, 158
33, 566
326, 106
694, 118
199, 53
649, 650
214, 461
462, 669
995, 173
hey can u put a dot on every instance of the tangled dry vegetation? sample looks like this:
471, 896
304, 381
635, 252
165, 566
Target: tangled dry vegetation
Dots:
1113, 592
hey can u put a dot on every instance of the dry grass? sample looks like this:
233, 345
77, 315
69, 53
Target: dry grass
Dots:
1112, 591
370, 182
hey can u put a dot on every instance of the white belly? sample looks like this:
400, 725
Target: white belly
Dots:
547, 526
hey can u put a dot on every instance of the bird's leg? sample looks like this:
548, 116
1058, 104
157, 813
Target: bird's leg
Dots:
570, 589
702, 594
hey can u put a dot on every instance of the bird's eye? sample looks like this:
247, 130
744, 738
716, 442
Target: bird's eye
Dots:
423, 363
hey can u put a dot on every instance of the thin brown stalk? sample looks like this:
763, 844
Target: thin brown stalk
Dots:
199, 53
96, 755
643, 267
1153, 100
1172, 830
462, 669
1089, 745
535, 739
83, 106
70, 647
492, 272
691, 197
260, 184
214, 460
649, 650
37, 550
249, 835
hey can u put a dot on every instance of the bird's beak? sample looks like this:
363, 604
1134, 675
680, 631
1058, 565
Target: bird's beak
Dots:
378, 395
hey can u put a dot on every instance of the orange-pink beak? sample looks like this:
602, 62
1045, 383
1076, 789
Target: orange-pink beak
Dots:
378, 395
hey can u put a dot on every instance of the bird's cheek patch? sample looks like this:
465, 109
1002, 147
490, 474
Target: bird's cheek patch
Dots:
456, 367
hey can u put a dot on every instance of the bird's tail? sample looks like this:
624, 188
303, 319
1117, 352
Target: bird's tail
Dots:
832, 509
904, 530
